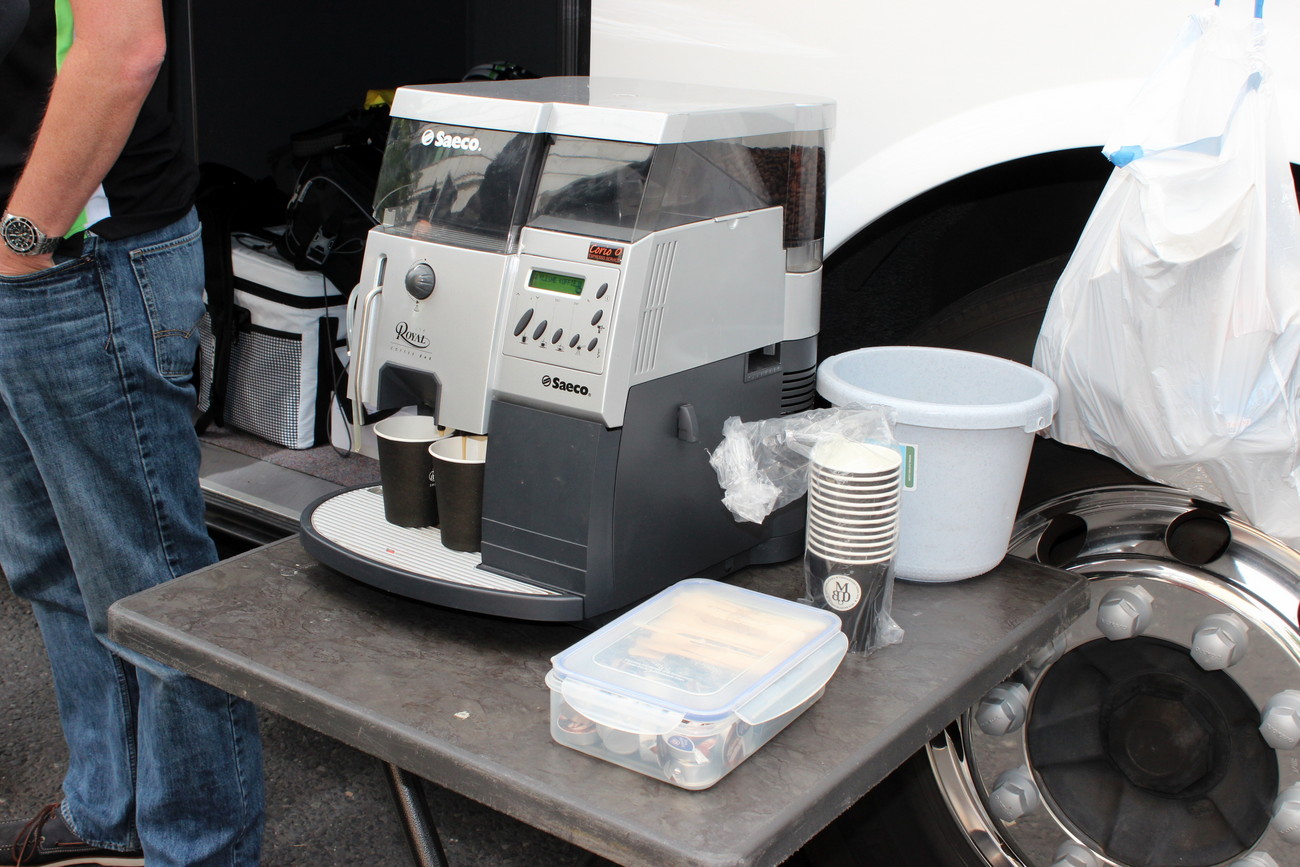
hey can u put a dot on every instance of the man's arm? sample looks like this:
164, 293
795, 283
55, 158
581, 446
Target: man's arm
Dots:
108, 72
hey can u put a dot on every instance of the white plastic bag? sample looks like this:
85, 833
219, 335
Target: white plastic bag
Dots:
1173, 332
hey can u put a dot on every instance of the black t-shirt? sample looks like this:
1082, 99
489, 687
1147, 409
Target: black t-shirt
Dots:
153, 181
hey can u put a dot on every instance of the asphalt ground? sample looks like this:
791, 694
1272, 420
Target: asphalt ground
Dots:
327, 804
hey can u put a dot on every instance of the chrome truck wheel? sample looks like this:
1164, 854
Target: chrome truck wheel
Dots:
1162, 727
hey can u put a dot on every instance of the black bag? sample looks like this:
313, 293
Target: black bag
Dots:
227, 201
330, 210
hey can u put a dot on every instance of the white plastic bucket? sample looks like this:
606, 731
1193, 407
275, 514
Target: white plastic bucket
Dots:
968, 421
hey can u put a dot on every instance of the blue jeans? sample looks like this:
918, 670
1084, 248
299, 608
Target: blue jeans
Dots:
99, 492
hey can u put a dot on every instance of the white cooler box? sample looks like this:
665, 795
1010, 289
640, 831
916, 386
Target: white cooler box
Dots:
286, 359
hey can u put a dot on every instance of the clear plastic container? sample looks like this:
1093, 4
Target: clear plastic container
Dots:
690, 683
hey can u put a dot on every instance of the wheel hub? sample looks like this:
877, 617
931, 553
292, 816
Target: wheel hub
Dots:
1142, 724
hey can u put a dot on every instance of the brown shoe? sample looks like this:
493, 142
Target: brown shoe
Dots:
47, 841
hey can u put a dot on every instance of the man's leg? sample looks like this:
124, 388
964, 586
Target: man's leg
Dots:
101, 397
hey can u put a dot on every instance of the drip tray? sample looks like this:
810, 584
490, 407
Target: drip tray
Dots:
347, 531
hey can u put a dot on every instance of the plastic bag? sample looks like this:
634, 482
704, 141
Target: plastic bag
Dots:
763, 465
1172, 333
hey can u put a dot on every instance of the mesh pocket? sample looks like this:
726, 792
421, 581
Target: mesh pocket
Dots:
264, 394
264, 386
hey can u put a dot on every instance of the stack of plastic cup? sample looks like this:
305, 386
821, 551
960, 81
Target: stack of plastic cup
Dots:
854, 492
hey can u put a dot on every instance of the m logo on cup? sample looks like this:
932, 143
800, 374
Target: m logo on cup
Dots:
842, 592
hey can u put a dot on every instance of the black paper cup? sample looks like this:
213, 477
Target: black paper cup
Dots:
860, 594
458, 466
406, 469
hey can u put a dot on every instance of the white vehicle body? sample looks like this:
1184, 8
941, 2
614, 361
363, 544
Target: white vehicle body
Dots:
926, 93
964, 160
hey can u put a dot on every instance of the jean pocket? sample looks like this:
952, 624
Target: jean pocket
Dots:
69, 269
170, 275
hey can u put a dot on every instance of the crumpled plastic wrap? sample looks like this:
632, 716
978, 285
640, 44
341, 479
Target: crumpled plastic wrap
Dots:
763, 465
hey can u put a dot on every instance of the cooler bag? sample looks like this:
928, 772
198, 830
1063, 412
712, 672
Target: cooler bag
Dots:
284, 359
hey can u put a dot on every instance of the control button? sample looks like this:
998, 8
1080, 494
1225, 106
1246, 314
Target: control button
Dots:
420, 280
604, 287
539, 330
555, 338
591, 347
596, 317
523, 321
574, 341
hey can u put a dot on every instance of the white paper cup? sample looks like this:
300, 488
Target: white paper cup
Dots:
854, 458
857, 517
855, 557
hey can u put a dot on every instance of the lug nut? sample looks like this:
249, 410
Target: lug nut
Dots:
1280, 720
1219, 642
1046, 655
1286, 814
1071, 854
1124, 612
1014, 795
1004, 709
1255, 859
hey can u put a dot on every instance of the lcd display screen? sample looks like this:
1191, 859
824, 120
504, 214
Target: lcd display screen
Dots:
556, 282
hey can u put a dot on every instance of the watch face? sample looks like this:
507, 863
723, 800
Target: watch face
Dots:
22, 236
19, 234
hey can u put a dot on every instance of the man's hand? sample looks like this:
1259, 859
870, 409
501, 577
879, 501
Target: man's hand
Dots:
13, 265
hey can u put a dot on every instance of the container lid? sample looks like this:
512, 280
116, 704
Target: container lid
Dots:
614, 108
933, 387
700, 650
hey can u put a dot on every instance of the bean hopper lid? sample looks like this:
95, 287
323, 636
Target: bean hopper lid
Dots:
471, 164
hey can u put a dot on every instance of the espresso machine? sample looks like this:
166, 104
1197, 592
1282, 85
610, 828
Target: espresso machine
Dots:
595, 273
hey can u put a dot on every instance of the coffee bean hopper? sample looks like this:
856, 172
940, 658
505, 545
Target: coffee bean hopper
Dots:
596, 274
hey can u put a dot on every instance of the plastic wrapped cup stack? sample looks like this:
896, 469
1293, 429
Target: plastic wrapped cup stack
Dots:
854, 492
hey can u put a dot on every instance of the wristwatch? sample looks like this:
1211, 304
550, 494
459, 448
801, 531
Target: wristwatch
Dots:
21, 235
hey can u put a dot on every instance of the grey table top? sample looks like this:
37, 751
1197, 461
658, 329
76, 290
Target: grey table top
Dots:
459, 699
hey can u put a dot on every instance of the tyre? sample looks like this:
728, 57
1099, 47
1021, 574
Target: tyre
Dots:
1135, 739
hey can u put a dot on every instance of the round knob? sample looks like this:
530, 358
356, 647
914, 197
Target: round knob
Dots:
1286, 814
1071, 854
1125, 612
1219, 642
1004, 709
1280, 721
420, 280
1255, 859
1014, 795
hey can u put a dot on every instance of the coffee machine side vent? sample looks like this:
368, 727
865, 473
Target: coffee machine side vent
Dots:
652, 308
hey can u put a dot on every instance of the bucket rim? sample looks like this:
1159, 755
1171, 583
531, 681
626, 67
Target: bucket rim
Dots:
1030, 414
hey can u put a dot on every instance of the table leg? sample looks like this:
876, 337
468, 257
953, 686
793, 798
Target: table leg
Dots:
417, 821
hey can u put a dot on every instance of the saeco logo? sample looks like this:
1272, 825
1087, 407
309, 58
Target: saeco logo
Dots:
557, 383
455, 142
